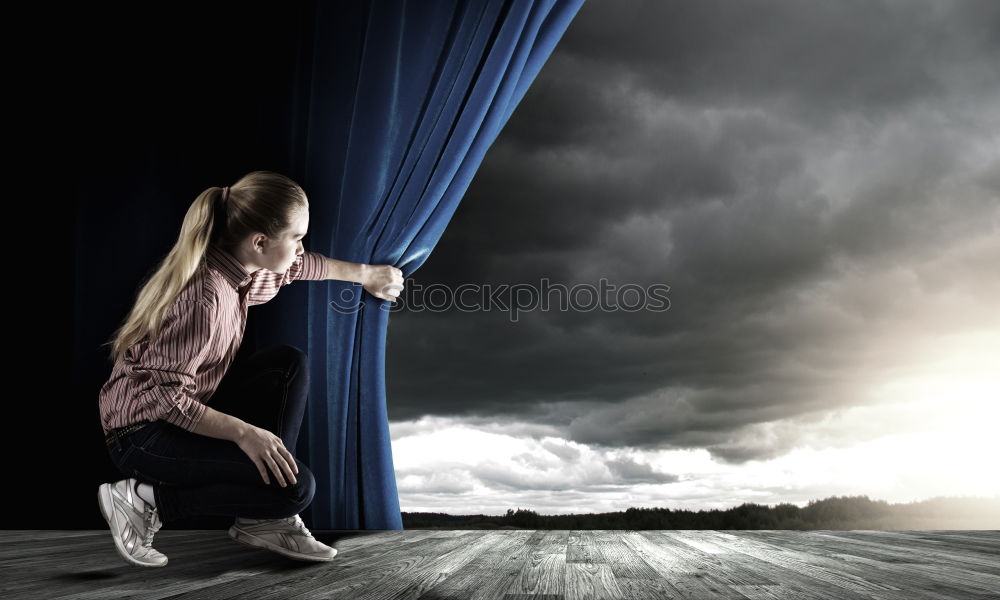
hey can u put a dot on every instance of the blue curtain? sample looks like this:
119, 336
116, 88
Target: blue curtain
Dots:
404, 99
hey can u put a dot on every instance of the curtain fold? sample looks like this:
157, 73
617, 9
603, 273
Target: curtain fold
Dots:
405, 99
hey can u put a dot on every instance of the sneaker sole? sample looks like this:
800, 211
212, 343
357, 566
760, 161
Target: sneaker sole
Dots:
107, 504
252, 541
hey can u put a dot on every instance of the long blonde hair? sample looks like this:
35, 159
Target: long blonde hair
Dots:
261, 201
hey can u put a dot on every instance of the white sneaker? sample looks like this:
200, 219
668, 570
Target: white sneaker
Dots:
288, 537
133, 522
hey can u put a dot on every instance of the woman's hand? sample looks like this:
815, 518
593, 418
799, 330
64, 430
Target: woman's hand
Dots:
263, 447
382, 281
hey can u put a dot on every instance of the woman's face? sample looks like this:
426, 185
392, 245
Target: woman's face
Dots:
281, 253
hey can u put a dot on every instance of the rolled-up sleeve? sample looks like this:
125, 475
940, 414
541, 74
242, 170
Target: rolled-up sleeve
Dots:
166, 373
308, 265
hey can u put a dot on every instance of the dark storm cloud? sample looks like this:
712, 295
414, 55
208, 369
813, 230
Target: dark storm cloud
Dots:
813, 59
782, 166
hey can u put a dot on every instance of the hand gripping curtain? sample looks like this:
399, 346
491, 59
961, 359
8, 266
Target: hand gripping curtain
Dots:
405, 98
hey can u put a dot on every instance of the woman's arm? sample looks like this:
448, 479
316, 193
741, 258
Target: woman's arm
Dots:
220, 425
381, 281
345, 271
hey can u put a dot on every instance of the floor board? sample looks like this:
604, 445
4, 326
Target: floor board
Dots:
518, 565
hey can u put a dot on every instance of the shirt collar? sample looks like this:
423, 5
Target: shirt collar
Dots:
228, 266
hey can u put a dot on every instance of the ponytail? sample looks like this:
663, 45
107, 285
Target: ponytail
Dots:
261, 201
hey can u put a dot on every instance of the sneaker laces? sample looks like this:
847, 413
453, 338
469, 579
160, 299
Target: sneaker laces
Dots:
296, 522
153, 525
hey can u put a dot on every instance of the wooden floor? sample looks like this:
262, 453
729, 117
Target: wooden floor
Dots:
517, 564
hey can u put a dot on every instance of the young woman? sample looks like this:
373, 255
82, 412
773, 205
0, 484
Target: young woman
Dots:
194, 436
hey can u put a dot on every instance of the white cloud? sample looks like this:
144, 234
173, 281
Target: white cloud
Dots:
928, 438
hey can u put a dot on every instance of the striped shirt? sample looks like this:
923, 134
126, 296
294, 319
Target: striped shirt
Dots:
173, 376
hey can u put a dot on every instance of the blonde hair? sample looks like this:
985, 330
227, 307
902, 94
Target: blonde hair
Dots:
261, 201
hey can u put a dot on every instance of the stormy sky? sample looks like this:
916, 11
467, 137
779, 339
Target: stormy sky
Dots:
817, 183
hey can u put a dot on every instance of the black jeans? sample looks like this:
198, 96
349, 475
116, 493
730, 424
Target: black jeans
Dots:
193, 474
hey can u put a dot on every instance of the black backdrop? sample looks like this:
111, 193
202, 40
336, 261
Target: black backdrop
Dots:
126, 116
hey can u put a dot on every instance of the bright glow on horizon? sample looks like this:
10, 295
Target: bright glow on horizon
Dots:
937, 418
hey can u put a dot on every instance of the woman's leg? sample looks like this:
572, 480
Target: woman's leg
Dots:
199, 475
194, 474
268, 390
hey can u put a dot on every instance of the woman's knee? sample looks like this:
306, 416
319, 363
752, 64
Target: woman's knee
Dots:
300, 493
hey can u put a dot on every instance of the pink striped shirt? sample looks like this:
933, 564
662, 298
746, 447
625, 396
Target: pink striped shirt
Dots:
172, 377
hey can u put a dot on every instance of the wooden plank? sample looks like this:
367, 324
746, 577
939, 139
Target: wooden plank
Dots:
780, 566
407, 572
222, 568
355, 557
519, 564
904, 547
709, 572
766, 592
588, 574
680, 574
544, 570
228, 565
729, 567
927, 572
636, 579
37, 572
490, 572
912, 572
18, 536
919, 581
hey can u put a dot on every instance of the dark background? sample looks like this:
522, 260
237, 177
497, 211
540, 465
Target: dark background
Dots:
126, 118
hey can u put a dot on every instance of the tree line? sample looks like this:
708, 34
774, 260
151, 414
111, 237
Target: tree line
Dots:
837, 512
